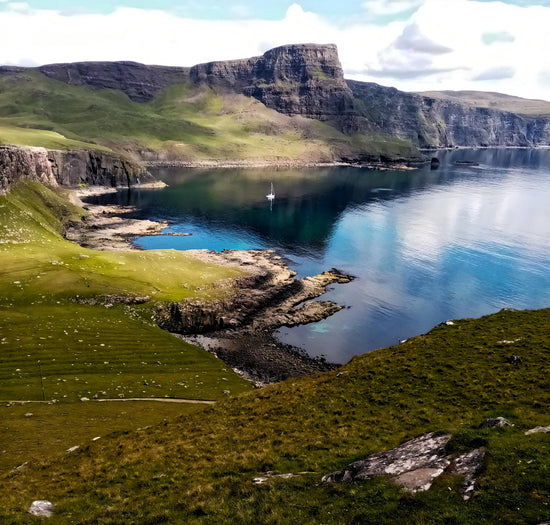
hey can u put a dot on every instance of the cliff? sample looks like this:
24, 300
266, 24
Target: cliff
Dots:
140, 82
67, 168
430, 122
303, 80
299, 79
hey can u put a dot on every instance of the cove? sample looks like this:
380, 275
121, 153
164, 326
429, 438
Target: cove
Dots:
465, 240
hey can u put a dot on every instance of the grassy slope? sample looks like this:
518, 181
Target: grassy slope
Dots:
93, 350
199, 468
184, 122
498, 101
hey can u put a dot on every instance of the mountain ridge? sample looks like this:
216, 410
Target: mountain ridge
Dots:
296, 80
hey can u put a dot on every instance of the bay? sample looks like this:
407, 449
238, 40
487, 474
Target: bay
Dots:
425, 245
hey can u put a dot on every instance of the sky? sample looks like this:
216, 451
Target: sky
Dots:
413, 45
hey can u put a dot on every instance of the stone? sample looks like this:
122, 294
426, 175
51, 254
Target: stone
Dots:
42, 508
414, 465
495, 422
538, 430
469, 466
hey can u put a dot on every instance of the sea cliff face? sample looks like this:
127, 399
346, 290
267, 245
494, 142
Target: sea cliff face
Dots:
300, 79
429, 122
67, 168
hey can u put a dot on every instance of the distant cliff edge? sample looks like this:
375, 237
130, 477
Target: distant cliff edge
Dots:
67, 168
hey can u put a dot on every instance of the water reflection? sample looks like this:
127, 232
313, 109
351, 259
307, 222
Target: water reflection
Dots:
426, 246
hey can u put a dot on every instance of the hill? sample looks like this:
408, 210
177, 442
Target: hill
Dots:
291, 104
258, 456
203, 467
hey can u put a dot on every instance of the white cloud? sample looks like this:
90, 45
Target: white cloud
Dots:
496, 73
437, 45
390, 7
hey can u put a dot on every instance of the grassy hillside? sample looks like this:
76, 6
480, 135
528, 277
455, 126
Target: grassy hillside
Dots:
184, 122
185, 463
57, 308
498, 101
199, 468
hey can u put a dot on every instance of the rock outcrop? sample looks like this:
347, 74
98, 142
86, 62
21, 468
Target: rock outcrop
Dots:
300, 79
415, 464
67, 168
269, 296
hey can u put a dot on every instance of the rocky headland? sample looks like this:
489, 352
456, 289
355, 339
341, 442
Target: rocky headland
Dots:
239, 328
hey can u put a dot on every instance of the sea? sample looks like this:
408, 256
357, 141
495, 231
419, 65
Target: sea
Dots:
425, 245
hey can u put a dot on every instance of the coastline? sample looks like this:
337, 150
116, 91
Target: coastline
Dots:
240, 328
405, 164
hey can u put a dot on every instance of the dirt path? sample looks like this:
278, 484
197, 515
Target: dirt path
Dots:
158, 399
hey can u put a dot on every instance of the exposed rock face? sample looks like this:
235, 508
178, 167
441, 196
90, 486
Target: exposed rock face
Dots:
268, 298
429, 122
300, 79
415, 464
140, 82
67, 168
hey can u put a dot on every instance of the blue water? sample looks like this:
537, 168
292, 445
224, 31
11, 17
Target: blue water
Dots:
425, 245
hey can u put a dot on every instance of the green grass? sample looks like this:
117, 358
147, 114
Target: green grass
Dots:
99, 350
184, 122
199, 468
32, 431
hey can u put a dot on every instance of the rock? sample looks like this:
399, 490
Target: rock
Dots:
42, 508
415, 464
434, 163
538, 430
495, 422
469, 466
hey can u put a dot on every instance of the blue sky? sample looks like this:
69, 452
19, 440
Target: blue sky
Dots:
414, 45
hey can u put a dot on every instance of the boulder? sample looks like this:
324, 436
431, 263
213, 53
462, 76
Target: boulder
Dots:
495, 422
415, 464
42, 508
538, 430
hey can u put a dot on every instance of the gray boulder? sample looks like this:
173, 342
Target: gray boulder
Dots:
495, 422
42, 508
414, 465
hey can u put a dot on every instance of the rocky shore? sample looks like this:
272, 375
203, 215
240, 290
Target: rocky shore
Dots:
240, 328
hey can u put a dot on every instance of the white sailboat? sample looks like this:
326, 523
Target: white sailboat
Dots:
271, 195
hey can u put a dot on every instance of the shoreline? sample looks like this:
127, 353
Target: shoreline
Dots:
240, 328
405, 164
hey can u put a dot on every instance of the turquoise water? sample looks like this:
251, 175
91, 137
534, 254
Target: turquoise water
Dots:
425, 245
